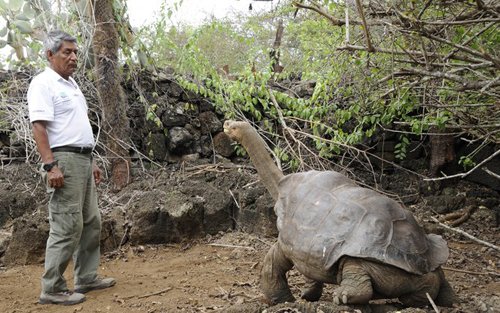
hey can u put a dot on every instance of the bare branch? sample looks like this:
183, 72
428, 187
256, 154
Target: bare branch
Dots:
497, 176
320, 10
463, 175
485, 56
410, 52
365, 26
461, 232
466, 85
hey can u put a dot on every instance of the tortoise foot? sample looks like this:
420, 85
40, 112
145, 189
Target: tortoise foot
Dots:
351, 295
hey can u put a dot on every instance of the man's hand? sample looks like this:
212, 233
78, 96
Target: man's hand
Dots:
55, 178
97, 173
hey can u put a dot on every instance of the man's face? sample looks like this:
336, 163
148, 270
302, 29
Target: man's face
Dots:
64, 61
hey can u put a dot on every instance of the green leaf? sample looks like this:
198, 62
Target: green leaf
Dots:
22, 17
3, 43
39, 22
11, 37
3, 31
143, 59
23, 26
15, 5
45, 5
28, 11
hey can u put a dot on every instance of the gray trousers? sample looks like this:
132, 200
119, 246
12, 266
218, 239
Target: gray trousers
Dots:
75, 224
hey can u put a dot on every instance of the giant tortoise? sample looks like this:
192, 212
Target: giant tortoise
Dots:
334, 231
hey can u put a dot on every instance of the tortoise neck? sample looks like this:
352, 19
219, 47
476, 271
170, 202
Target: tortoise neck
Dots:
269, 173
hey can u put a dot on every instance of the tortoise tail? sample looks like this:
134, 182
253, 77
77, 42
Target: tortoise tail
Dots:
446, 296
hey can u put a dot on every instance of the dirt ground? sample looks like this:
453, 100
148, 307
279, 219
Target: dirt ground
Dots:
220, 273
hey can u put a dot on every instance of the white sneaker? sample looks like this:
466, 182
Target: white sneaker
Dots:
64, 298
99, 283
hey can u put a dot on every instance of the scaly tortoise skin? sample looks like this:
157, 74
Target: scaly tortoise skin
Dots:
334, 231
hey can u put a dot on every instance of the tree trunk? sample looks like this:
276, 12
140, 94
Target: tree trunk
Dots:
442, 151
275, 51
114, 105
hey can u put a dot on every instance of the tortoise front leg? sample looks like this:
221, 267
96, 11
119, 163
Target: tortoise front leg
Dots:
273, 280
355, 283
313, 290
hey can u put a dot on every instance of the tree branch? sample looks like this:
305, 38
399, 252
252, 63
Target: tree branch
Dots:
466, 85
365, 26
463, 175
410, 52
461, 232
321, 11
485, 56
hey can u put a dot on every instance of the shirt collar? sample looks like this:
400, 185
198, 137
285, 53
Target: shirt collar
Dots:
58, 77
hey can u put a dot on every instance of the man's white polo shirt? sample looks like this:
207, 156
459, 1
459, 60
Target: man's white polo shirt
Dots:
61, 103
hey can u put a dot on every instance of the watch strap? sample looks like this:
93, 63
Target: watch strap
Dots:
48, 166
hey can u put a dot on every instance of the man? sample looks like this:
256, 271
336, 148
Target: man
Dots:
64, 138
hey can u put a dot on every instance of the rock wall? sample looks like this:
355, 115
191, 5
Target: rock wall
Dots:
172, 123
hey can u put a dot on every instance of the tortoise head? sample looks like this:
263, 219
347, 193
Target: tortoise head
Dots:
236, 129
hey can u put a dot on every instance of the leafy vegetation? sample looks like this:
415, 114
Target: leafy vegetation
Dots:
404, 68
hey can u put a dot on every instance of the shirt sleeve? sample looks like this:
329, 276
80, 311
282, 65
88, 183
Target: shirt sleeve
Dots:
40, 105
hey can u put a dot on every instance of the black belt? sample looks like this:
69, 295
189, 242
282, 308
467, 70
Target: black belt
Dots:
82, 150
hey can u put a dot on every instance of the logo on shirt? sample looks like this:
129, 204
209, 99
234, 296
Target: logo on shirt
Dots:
62, 94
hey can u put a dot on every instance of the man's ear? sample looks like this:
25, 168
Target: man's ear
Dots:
49, 54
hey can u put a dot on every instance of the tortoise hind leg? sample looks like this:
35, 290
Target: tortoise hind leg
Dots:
422, 285
313, 290
355, 283
273, 280
435, 285
446, 296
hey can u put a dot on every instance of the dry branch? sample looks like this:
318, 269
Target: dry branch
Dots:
155, 293
463, 233
322, 11
230, 246
469, 272
365, 26
148, 295
497, 176
432, 303
463, 175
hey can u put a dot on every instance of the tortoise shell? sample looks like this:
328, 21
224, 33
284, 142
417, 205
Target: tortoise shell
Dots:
323, 216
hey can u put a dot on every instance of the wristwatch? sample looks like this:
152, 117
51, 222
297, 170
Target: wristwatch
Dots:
47, 167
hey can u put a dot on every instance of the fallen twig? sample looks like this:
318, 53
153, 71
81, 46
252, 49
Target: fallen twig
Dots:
155, 293
461, 232
230, 246
263, 241
234, 199
148, 295
432, 303
469, 272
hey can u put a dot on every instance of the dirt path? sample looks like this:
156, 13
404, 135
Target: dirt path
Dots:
214, 274
199, 278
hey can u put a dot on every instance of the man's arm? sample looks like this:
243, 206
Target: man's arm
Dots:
42, 141
55, 177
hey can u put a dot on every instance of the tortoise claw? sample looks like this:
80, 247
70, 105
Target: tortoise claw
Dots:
340, 298
336, 300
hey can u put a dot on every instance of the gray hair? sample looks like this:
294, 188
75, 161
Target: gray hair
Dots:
54, 40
